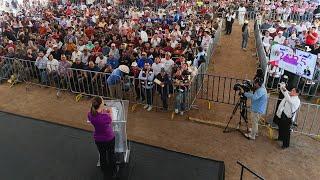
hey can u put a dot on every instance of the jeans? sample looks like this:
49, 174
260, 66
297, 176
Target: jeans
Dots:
147, 93
180, 102
104, 148
244, 42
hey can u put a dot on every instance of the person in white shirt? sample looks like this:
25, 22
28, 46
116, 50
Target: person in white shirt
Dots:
52, 65
155, 40
266, 42
230, 16
286, 112
157, 65
274, 74
167, 63
101, 61
242, 12
206, 40
85, 56
144, 35
76, 55
279, 38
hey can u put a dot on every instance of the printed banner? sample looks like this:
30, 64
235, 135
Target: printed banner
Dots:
301, 63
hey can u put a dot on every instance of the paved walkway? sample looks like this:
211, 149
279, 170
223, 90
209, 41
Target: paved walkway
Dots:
230, 60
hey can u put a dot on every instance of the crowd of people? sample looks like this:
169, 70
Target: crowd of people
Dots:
159, 50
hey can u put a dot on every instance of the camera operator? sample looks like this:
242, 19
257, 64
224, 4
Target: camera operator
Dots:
286, 112
258, 105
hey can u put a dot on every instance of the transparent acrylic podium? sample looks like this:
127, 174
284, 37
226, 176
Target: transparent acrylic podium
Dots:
119, 111
119, 122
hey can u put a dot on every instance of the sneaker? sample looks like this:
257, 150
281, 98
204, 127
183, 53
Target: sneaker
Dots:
181, 113
145, 106
98, 163
249, 136
149, 108
176, 111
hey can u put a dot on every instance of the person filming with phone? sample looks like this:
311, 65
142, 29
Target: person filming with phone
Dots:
286, 112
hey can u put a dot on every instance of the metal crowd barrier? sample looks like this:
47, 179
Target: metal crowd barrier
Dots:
219, 89
307, 117
263, 60
92, 83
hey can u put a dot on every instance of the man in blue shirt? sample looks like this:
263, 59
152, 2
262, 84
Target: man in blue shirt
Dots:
259, 101
114, 81
144, 59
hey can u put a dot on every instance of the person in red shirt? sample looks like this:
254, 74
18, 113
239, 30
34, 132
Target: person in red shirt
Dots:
97, 49
311, 37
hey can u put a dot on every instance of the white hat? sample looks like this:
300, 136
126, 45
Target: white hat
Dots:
282, 25
134, 64
10, 41
124, 68
272, 30
280, 32
246, 21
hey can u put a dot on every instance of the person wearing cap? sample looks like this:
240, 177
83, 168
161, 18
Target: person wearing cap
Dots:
163, 87
279, 38
245, 35
266, 42
134, 74
114, 81
115, 51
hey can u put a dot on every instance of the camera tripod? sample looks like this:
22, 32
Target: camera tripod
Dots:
242, 105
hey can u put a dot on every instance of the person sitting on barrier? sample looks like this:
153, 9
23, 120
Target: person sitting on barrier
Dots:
286, 112
266, 42
100, 117
163, 80
279, 38
259, 101
115, 83
181, 83
146, 77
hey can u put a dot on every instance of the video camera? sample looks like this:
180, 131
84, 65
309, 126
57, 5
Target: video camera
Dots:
246, 86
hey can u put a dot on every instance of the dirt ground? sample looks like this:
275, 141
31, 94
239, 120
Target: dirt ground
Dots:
300, 161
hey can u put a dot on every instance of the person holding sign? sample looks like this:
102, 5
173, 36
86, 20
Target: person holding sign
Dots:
100, 117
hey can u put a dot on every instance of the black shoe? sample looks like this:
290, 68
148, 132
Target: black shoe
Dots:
284, 147
277, 139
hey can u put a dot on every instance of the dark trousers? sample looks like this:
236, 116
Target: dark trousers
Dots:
104, 148
147, 93
164, 96
284, 130
228, 27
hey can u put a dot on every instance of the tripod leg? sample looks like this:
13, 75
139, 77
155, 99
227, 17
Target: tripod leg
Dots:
233, 113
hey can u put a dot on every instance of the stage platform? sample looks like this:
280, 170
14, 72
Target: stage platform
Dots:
33, 149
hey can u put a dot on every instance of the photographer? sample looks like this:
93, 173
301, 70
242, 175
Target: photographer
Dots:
286, 112
258, 105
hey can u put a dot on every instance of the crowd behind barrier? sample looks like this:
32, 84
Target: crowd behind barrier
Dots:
293, 35
112, 51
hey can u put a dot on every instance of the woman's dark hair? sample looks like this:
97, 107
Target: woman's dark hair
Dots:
96, 102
